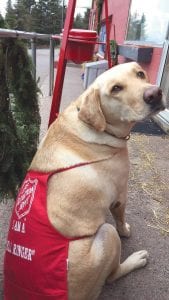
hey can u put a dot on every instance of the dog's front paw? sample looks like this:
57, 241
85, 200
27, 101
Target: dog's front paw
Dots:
138, 259
124, 230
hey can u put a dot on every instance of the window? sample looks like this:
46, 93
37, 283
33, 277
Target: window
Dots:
165, 76
102, 38
92, 20
148, 21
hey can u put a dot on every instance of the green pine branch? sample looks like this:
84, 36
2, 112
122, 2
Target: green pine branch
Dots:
19, 115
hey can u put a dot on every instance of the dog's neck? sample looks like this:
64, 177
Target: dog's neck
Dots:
118, 130
87, 133
121, 132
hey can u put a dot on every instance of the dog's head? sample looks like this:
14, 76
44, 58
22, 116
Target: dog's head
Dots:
122, 94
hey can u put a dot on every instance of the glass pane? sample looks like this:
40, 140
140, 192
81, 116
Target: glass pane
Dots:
148, 21
165, 79
102, 38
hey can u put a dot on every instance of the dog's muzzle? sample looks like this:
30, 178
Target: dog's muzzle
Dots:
153, 96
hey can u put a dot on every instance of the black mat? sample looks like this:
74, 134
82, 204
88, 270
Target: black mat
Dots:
148, 127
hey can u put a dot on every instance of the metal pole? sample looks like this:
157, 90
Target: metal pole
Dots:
51, 66
33, 47
61, 68
63, 7
22, 34
107, 34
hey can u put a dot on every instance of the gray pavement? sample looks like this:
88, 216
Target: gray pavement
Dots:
148, 214
72, 88
42, 65
147, 209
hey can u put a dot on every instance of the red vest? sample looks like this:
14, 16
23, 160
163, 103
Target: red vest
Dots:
36, 259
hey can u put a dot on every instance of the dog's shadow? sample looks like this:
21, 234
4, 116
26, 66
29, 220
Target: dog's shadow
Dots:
148, 127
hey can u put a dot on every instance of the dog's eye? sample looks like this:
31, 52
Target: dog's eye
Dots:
141, 75
116, 88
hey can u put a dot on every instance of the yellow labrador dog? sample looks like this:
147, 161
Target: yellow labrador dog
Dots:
95, 129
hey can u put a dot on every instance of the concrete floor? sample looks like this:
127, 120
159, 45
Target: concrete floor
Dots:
148, 214
147, 209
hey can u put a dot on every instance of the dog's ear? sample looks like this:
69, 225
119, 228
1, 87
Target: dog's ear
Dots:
90, 110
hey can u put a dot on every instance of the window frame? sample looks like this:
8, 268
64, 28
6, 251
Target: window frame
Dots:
102, 53
142, 43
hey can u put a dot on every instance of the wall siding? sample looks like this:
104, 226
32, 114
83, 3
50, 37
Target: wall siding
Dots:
119, 10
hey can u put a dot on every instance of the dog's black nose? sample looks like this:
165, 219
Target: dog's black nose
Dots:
153, 95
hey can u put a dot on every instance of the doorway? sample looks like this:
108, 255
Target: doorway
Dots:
165, 76
163, 82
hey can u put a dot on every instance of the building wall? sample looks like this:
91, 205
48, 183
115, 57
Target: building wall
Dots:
119, 11
153, 66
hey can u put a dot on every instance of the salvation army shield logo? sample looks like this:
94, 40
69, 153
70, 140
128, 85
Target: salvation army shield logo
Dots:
25, 197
